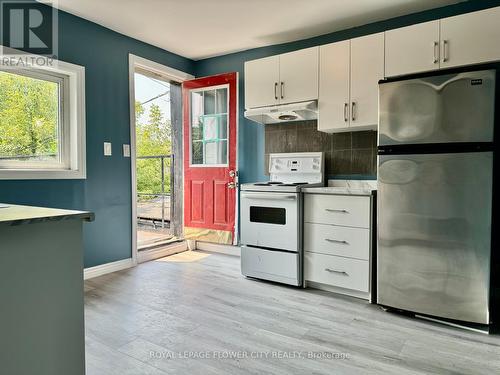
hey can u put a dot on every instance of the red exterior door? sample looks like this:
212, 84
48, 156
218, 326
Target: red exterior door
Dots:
210, 176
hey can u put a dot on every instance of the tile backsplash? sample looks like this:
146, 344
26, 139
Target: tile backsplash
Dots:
352, 153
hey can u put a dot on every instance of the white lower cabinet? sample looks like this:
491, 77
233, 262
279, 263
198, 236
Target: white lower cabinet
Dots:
337, 243
342, 210
337, 271
336, 240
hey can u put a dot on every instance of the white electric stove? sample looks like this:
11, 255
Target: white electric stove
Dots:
271, 217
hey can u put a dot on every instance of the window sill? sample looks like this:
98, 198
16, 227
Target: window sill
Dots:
42, 174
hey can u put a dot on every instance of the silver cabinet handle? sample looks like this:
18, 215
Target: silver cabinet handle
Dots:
436, 47
282, 89
276, 90
346, 109
337, 241
335, 271
353, 114
445, 50
336, 210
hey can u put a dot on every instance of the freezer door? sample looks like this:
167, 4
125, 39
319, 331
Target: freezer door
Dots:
440, 109
434, 234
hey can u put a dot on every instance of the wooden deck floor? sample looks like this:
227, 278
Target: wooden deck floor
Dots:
186, 313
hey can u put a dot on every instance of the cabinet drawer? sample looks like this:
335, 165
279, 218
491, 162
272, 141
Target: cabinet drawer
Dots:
333, 240
352, 211
279, 266
337, 271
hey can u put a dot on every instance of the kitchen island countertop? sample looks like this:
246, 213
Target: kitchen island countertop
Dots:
11, 214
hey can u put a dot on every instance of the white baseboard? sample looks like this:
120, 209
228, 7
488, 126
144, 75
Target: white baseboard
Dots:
338, 290
102, 269
174, 248
218, 248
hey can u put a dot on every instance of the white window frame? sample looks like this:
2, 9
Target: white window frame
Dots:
72, 147
208, 88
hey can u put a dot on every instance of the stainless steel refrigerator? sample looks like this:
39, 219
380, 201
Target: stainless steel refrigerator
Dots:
435, 175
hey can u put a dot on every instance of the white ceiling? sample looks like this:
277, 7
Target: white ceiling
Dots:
204, 28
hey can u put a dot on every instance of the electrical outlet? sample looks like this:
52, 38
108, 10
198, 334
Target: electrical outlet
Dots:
126, 151
107, 148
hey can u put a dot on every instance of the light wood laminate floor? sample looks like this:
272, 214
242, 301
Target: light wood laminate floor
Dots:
186, 313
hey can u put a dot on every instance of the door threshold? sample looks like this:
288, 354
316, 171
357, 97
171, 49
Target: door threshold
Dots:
218, 248
157, 243
162, 251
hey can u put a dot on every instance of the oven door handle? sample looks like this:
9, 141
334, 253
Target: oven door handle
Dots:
269, 196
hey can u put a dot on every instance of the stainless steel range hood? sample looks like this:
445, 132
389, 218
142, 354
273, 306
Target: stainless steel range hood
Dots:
284, 113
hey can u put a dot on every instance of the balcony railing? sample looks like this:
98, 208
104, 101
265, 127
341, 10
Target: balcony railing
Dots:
155, 194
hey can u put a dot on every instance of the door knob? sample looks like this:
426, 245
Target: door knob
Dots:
231, 185
232, 173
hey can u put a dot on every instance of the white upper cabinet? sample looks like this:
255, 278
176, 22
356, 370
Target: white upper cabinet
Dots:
412, 49
467, 39
333, 103
470, 38
299, 75
262, 79
282, 79
348, 83
367, 68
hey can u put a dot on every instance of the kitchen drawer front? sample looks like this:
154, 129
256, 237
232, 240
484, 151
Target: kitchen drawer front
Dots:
352, 211
334, 240
337, 271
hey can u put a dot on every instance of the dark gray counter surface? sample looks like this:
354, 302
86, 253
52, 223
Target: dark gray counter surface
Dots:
11, 214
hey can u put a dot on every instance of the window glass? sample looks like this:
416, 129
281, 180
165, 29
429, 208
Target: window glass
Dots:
30, 123
209, 102
209, 127
222, 100
268, 215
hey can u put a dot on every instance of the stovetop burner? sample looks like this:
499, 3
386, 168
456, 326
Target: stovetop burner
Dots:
278, 183
270, 183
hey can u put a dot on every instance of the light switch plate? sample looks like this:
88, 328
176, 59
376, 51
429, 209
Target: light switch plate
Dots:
126, 151
107, 148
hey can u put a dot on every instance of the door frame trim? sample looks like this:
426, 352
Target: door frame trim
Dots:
162, 71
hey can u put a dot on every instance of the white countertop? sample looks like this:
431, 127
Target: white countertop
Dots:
345, 187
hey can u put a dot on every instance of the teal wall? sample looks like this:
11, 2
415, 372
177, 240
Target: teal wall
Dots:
251, 134
107, 190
